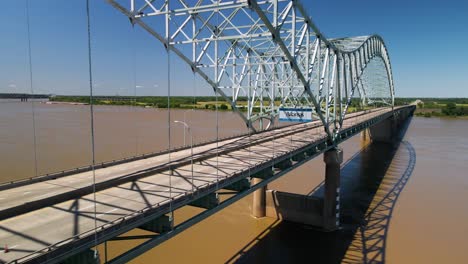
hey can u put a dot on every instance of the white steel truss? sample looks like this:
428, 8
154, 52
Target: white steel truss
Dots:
261, 55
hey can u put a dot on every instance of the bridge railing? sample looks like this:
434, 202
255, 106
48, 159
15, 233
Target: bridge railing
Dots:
115, 225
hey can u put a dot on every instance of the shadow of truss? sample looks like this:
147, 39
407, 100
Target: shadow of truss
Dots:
369, 242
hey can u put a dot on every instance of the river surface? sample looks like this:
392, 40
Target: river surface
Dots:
402, 203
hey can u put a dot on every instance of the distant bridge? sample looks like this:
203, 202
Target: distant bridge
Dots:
24, 96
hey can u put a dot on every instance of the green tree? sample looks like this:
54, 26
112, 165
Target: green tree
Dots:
450, 109
223, 107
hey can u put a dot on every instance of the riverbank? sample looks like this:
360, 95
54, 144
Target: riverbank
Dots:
65, 103
442, 107
177, 102
443, 112
430, 107
426, 107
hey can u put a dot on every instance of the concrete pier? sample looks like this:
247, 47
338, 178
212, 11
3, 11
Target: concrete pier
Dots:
383, 131
321, 212
365, 136
259, 200
332, 158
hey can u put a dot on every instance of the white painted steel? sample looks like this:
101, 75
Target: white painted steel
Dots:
262, 51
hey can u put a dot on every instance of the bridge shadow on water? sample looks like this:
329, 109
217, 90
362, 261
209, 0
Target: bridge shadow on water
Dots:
371, 182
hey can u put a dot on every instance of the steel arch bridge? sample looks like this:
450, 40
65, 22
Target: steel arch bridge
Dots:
262, 51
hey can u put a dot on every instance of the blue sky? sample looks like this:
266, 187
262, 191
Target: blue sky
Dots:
426, 40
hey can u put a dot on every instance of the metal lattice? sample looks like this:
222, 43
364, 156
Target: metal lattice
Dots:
254, 53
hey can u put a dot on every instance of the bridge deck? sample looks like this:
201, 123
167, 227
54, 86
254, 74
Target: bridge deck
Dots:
140, 187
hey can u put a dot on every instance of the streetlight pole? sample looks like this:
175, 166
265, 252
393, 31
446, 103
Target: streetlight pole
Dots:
191, 144
185, 112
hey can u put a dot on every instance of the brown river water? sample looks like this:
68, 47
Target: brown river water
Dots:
405, 203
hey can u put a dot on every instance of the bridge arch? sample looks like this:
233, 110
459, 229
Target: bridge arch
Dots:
260, 55
360, 52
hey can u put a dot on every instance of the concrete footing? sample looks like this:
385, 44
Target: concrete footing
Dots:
294, 207
322, 212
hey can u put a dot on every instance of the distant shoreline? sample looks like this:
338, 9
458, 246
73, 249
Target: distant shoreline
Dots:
426, 107
63, 102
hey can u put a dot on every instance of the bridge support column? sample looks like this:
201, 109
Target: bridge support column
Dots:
331, 200
365, 135
259, 200
383, 131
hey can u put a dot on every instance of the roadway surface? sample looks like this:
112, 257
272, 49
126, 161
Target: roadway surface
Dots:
131, 188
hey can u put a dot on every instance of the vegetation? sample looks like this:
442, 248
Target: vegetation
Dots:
427, 107
449, 107
223, 107
432, 102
